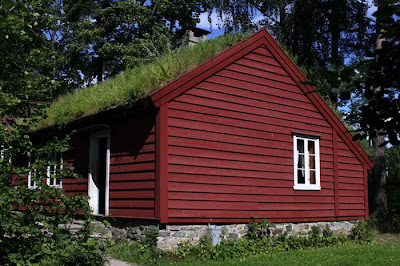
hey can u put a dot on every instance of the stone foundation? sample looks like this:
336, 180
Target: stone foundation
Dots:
173, 235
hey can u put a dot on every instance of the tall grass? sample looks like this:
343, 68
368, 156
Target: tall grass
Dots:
134, 83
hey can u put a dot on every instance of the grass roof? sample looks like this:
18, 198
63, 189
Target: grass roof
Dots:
135, 83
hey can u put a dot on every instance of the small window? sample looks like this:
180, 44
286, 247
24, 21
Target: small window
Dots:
306, 163
31, 179
51, 173
31, 175
3, 152
53, 170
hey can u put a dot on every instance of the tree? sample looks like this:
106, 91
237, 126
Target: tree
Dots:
374, 81
321, 34
103, 38
30, 229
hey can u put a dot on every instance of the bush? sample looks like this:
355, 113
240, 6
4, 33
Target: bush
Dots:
135, 251
258, 240
362, 232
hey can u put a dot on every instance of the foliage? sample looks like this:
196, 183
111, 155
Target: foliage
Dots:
258, 230
322, 34
254, 244
134, 83
103, 38
393, 178
387, 222
362, 232
151, 237
33, 222
134, 251
347, 254
374, 81
257, 241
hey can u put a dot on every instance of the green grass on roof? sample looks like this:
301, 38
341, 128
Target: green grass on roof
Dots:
134, 83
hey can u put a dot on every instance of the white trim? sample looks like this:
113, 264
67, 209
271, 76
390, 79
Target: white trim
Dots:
48, 179
92, 189
306, 185
32, 172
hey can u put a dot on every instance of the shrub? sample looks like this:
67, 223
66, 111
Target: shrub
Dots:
258, 230
362, 232
151, 237
134, 251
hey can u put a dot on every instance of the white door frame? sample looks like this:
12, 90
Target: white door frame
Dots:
93, 191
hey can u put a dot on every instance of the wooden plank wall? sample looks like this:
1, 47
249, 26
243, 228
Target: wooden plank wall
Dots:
78, 157
132, 167
231, 148
351, 183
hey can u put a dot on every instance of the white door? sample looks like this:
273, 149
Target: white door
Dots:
99, 169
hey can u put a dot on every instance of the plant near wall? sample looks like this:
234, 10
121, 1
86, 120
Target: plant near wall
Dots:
33, 221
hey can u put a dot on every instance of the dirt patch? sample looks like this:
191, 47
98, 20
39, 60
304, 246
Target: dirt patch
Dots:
387, 238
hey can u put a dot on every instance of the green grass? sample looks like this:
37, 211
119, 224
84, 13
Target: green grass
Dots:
349, 254
372, 254
134, 83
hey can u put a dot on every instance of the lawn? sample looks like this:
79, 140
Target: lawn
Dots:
372, 254
387, 253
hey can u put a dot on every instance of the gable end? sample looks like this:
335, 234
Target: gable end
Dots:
260, 39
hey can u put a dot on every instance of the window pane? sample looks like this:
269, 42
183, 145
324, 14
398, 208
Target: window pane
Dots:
300, 145
300, 161
312, 177
311, 147
301, 176
312, 161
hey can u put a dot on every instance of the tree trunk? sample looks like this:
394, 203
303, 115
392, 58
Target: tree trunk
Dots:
379, 172
379, 176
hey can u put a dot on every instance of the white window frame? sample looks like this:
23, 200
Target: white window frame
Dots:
30, 174
2, 150
306, 185
56, 184
2, 153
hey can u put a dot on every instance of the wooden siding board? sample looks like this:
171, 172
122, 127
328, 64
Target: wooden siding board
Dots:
231, 147
335, 171
132, 166
161, 204
227, 197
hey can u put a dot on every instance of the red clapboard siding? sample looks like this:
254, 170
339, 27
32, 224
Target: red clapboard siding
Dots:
230, 149
200, 197
259, 214
133, 212
132, 167
351, 182
243, 206
77, 157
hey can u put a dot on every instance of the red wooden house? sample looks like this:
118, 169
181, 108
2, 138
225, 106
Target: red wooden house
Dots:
240, 136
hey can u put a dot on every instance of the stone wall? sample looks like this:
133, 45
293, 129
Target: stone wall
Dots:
173, 235
170, 236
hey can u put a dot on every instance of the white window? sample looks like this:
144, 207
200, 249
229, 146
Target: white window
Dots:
51, 172
31, 179
306, 163
2, 152
32, 174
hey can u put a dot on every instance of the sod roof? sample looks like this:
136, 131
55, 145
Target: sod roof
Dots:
135, 83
